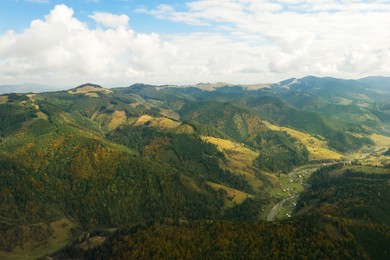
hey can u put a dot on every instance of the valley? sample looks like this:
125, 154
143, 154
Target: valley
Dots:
122, 162
369, 160
197, 129
287, 193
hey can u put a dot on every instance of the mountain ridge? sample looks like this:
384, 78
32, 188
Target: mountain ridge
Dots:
98, 158
381, 83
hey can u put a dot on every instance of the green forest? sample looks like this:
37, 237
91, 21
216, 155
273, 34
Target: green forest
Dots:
165, 172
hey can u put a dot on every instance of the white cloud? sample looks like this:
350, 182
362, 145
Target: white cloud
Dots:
62, 50
261, 41
299, 37
110, 20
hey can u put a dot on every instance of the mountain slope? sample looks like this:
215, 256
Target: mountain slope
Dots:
104, 158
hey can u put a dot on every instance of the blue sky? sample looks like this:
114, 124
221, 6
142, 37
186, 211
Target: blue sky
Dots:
120, 42
17, 14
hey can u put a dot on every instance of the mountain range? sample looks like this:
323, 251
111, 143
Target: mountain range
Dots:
92, 170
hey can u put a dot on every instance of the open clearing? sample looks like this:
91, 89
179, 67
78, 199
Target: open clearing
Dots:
381, 140
3, 99
90, 91
238, 155
33, 250
118, 118
317, 148
233, 196
372, 155
160, 122
239, 159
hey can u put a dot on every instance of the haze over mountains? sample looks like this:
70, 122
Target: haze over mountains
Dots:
125, 172
26, 88
374, 83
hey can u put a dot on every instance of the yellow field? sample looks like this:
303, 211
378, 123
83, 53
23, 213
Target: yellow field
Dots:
92, 94
381, 140
89, 91
239, 159
42, 115
373, 155
3, 99
317, 148
236, 150
160, 122
233, 196
118, 118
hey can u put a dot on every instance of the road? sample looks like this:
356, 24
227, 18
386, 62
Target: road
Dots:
277, 207
293, 176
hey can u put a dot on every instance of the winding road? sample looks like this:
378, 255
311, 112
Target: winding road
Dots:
277, 207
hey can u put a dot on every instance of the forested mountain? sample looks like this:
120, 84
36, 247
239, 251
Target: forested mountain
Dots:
157, 161
379, 84
344, 214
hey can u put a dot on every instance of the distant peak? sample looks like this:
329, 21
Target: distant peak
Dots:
311, 77
89, 85
211, 86
286, 83
89, 90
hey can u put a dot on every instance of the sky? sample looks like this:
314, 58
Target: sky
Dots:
121, 42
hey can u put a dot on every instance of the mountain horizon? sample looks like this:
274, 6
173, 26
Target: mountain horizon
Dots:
195, 129
84, 169
381, 82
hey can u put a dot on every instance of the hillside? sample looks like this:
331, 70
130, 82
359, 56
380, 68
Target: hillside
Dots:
227, 240
97, 159
344, 214
359, 196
